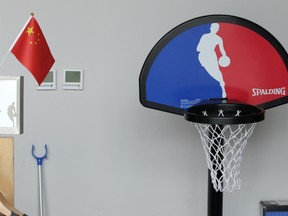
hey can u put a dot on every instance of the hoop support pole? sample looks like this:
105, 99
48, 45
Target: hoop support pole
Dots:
215, 198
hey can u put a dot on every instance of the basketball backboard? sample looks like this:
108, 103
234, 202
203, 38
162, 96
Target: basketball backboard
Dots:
216, 56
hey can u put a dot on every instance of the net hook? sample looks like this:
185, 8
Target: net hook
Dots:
238, 113
221, 113
204, 113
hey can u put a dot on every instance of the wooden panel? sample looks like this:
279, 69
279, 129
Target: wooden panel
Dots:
7, 169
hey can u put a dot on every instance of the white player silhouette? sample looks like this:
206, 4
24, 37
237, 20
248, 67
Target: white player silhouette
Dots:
11, 112
208, 58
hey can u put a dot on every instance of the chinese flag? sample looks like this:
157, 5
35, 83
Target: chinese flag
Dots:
32, 50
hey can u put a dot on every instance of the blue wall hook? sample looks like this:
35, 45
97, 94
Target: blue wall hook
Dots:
40, 159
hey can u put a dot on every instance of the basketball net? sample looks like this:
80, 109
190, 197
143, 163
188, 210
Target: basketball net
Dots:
223, 146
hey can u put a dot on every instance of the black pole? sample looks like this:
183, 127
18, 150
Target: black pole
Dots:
215, 199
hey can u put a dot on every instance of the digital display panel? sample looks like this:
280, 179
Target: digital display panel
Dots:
73, 76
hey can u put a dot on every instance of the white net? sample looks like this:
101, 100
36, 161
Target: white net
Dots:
223, 146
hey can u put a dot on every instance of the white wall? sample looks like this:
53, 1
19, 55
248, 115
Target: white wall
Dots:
108, 155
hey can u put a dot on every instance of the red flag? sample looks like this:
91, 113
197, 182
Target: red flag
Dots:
32, 50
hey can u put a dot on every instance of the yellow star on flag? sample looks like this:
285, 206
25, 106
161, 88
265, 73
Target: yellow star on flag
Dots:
29, 31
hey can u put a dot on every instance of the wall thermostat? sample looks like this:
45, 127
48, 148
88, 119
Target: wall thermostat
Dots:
49, 82
73, 79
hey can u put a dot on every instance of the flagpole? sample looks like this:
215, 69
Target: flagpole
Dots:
4, 58
32, 14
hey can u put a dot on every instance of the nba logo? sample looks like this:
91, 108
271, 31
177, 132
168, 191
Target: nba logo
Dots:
208, 58
215, 57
